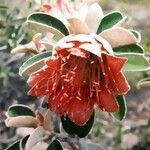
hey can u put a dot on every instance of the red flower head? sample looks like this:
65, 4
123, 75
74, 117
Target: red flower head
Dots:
82, 73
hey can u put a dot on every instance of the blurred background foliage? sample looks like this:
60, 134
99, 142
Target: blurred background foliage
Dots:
133, 132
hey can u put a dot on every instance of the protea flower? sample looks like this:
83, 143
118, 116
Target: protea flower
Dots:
82, 73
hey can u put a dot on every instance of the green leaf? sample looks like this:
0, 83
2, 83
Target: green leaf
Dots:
19, 145
137, 35
72, 128
55, 145
120, 115
23, 142
132, 48
48, 23
144, 82
135, 62
20, 110
3, 12
3, 7
14, 146
109, 21
34, 63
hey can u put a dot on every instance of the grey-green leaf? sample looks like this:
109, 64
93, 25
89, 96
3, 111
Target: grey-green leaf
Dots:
3, 12
20, 110
23, 141
55, 145
48, 23
109, 20
144, 82
137, 35
135, 62
14, 146
82, 131
33, 63
132, 48
120, 115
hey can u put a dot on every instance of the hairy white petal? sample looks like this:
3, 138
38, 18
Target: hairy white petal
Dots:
77, 26
94, 16
92, 48
105, 44
88, 2
80, 38
58, 14
118, 36
39, 134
